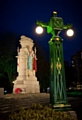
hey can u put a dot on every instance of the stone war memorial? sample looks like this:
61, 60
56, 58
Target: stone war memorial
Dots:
26, 81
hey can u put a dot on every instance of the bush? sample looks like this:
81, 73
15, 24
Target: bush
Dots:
39, 112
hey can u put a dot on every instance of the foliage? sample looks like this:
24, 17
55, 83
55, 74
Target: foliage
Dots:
43, 68
7, 55
71, 75
39, 112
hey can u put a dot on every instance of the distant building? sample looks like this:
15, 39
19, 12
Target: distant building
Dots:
70, 73
66, 64
76, 62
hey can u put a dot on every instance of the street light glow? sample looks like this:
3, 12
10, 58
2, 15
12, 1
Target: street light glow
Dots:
70, 32
39, 30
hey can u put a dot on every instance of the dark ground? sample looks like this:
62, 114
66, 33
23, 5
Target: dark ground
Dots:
77, 106
13, 102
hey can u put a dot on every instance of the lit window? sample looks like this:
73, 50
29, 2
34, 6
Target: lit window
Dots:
72, 61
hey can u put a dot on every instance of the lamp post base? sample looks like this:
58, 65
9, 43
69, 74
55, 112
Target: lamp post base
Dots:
65, 108
62, 107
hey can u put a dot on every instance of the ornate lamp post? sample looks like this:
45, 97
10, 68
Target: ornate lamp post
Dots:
58, 97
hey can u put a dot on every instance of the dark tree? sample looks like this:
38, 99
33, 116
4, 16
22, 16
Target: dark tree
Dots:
70, 73
43, 68
8, 45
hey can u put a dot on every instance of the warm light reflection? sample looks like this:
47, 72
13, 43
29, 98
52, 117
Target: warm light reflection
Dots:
70, 32
39, 30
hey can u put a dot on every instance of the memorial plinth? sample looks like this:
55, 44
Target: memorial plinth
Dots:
26, 81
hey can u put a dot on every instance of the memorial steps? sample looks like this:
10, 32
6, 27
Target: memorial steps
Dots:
13, 102
10, 103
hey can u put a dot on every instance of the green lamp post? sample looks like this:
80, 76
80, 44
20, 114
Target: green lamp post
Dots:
58, 97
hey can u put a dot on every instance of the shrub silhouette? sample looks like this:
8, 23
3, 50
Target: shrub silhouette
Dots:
39, 112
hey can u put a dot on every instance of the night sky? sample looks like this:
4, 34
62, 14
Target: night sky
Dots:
20, 16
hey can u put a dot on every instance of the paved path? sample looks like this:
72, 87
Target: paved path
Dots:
12, 102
